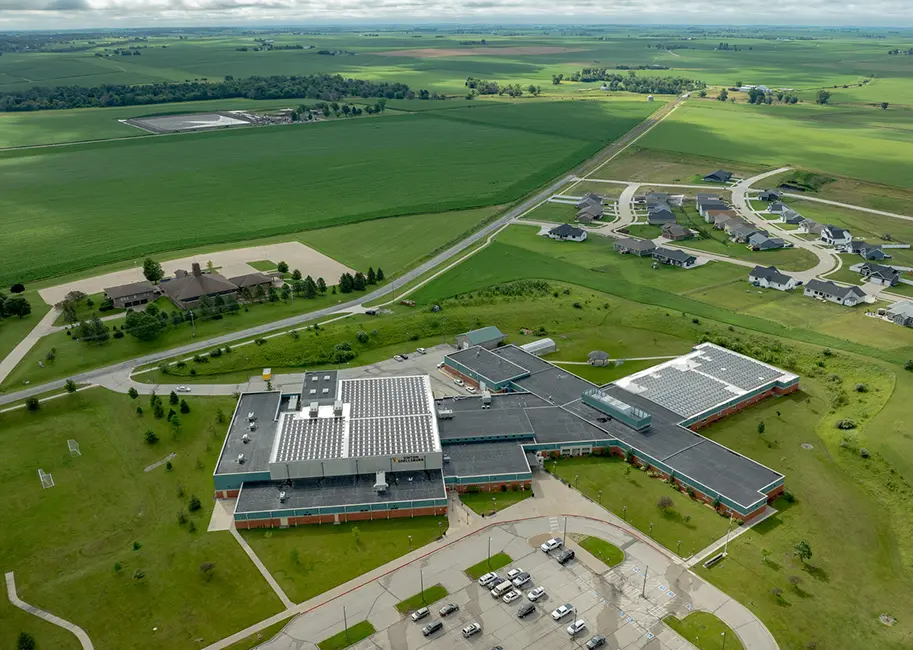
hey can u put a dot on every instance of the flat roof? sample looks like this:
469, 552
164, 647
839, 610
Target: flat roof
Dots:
556, 385
495, 368
530, 362
264, 407
330, 491
485, 458
318, 385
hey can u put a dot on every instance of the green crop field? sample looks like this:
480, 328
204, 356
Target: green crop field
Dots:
247, 183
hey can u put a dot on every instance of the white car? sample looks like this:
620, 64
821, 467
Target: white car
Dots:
511, 596
470, 389
563, 611
487, 578
472, 628
576, 626
183, 389
513, 573
536, 594
551, 544
459, 382
440, 365
398, 357
521, 579
420, 350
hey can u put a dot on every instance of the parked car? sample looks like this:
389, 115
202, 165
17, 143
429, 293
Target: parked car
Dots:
421, 350
576, 626
513, 573
521, 579
449, 608
526, 610
419, 614
487, 578
565, 556
501, 590
563, 611
470, 389
551, 544
459, 382
432, 627
536, 594
404, 355
183, 389
398, 357
596, 642
440, 365
472, 628
511, 596
498, 581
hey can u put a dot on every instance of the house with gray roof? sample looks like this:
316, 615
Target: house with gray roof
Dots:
567, 232
589, 199
770, 277
132, 295
879, 273
676, 232
251, 281
835, 236
674, 257
761, 242
768, 195
791, 216
707, 202
598, 358
186, 289
827, 290
660, 214
719, 218
866, 250
900, 313
590, 212
719, 176
776, 207
740, 232
634, 246
487, 337
810, 227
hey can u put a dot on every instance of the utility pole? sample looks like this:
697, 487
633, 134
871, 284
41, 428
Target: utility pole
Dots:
643, 591
421, 583
726, 547
192, 323
624, 510
564, 541
489, 552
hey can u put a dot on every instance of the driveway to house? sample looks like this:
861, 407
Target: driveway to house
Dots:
610, 600
827, 259
882, 213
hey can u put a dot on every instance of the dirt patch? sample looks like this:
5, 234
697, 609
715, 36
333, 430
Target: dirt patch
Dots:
433, 53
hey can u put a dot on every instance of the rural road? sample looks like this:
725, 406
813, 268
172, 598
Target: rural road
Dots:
589, 166
848, 206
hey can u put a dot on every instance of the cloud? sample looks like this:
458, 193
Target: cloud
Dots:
53, 14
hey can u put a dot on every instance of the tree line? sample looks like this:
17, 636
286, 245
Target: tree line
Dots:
634, 84
359, 282
16, 305
484, 87
324, 87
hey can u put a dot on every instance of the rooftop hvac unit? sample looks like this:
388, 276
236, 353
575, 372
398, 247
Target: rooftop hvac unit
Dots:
240, 459
486, 397
312, 410
245, 438
326, 378
282, 496
380, 482
251, 426
445, 414
337, 409
313, 377
251, 417
446, 459
325, 391
313, 391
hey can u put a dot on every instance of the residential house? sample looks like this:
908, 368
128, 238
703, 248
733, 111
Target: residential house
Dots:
633, 246
567, 232
598, 358
879, 273
719, 176
588, 199
719, 217
676, 232
866, 250
730, 225
791, 216
761, 242
674, 257
740, 233
769, 195
589, 212
660, 214
251, 282
776, 207
186, 289
770, 277
487, 337
810, 227
132, 295
654, 198
901, 313
827, 290
585, 218
834, 236
706, 202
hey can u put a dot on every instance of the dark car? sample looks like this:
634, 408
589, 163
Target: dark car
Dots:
565, 555
526, 610
494, 583
596, 642
431, 628
449, 608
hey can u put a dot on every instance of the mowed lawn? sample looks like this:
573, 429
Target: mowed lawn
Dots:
64, 543
76, 207
819, 138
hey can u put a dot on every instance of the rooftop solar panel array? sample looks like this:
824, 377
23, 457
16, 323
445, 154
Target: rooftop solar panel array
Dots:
385, 396
735, 369
681, 391
304, 438
407, 434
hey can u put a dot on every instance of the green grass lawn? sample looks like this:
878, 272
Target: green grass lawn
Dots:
263, 265
644, 231
14, 329
705, 631
105, 502
647, 165
348, 637
497, 561
85, 311
690, 521
422, 599
258, 638
308, 560
486, 502
606, 552
601, 375
356, 170
554, 212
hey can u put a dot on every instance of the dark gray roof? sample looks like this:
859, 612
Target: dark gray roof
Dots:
522, 358
830, 289
320, 386
634, 244
881, 270
191, 286
264, 407
555, 385
719, 175
495, 368
506, 417
566, 230
483, 458
124, 290
675, 229
250, 280
598, 355
769, 273
673, 254
261, 496
836, 231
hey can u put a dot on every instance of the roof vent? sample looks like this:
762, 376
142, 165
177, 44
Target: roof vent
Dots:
251, 426
312, 409
251, 416
337, 409
326, 378
325, 391
282, 496
445, 414
240, 459
380, 482
446, 459
314, 377
245, 438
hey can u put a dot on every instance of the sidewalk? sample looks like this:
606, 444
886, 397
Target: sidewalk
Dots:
84, 639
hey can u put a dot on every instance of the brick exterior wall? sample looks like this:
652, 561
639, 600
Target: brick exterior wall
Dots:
735, 408
492, 487
343, 517
227, 494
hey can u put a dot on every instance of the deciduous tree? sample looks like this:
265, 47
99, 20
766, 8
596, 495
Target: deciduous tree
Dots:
152, 270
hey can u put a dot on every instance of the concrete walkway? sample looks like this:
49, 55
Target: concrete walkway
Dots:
44, 326
84, 639
261, 568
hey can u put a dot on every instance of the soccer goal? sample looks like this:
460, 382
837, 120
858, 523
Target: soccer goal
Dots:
73, 446
47, 481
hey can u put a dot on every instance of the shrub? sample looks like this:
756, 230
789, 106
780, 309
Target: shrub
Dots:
182, 517
789, 497
862, 388
150, 436
665, 503
118, 566
194, 504
139, 410
32, 404
864, 452
908, 365
227, 349
362, 336
168, 466
193, 371
133, 393
716, 503
139, 574
846, 424
216, 353
260, 341
206, 569
26, 642
185, 408
118, 334
137, 546
761, 427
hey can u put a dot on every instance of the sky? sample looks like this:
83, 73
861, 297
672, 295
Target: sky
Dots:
80, 14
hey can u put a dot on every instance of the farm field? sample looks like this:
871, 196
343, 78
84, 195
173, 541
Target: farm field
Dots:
720, 130
655, 166
356, 170
105, 502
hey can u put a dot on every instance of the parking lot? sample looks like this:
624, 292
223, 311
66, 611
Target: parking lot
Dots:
416, 364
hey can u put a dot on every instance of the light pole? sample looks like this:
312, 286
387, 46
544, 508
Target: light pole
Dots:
440, 528
489, 552
726, 547
724, 640
678, 547
421, 584
564, 541
643, 591
576, 480
345, 621
624, 510
192, 323
410, 542
651, 529
600, 497
494, 504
